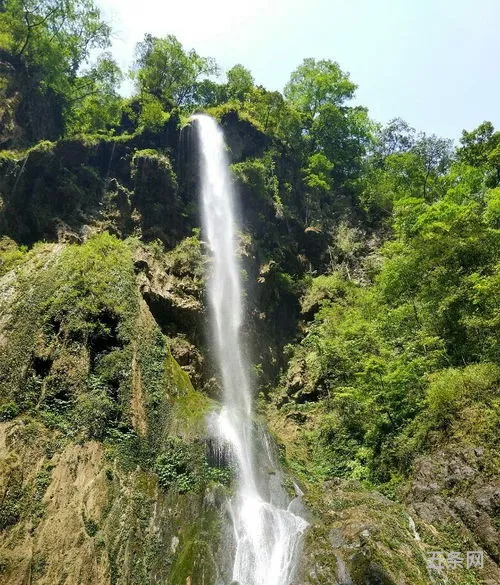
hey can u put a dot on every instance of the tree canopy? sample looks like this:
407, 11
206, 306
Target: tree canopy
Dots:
315, 84
166, 71
55, 35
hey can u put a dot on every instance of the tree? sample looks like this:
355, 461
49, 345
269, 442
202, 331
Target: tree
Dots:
342, 134
404, 165
317, 83
49, 42
55, 35
435, 155
209, 93
478, 144
481, 149
317, 181
166, 71
396, 136
239, 83
95, 99
319, 90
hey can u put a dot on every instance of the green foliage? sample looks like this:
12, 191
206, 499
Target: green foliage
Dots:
152, 115
318, 83
74, 316
182, 466
405, 165
10, 508
10, 255
186, 258
56, 35
410, 359
239, 83
479, 145
388, 237
94, 409
445, 261
342, 135
317, 173
164, 70
8, 411
94, 281
97, 105
56, 38
318, 184
450, 390
254, 175
326, 288
178, 466
218, 475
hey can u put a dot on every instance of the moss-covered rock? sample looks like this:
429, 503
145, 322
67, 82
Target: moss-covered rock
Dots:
68, 187
359, 536
91, 521
118, 484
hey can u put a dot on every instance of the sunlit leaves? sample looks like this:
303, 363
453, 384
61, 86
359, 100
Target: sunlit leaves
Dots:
167, 71
317, 83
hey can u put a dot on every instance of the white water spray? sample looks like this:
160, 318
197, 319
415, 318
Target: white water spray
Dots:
267, 532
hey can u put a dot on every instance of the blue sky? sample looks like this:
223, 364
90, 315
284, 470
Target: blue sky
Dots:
435, 63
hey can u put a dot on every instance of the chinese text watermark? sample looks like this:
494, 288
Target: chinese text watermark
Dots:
439, 560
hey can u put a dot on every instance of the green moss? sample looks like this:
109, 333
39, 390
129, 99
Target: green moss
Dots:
145, 152
186, 258
190, 407
94, 409
42, 146
12, 155
198, 541
218, 112
11, 255
151, 157
74, 306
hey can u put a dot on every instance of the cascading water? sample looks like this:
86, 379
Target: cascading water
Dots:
267, 527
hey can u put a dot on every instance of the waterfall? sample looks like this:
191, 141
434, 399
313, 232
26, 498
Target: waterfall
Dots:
267, 525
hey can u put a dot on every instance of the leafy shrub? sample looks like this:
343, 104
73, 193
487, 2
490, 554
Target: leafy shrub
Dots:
8, 411
222, 475
176, 467
94, 409
184, 467
451, 389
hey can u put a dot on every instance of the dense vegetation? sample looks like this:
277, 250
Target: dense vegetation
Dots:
372, 257
399, 287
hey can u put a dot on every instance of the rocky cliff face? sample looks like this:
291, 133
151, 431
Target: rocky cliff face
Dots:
107, 474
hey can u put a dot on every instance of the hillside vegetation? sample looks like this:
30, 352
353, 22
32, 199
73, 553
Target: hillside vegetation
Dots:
371, 261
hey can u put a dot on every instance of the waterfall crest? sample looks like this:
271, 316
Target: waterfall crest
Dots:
267, 526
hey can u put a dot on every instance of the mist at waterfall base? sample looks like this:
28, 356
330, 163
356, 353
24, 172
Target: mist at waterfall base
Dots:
267, 526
